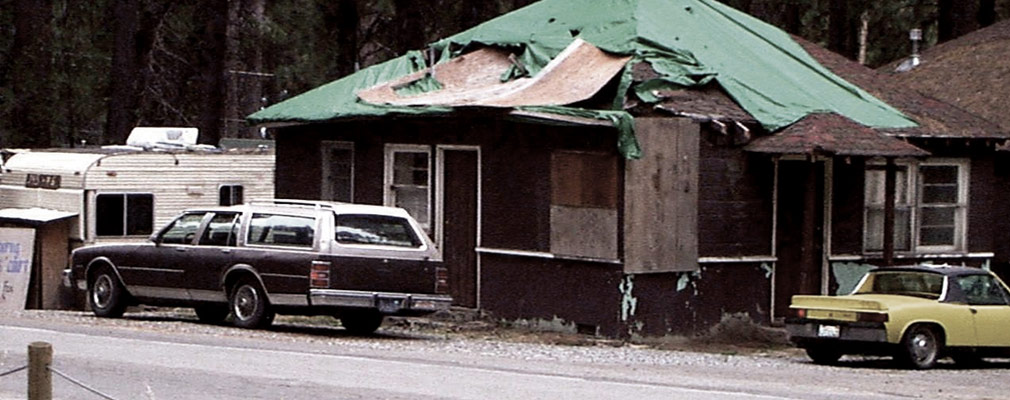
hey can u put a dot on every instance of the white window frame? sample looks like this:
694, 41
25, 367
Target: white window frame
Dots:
389, 192
914, 192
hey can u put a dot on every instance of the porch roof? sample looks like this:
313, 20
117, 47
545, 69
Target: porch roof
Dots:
833, 134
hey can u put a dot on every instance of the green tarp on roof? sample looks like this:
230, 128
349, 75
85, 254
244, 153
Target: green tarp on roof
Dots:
688, 42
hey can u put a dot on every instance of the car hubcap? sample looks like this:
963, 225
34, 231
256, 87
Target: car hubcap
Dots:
245, 302
102, 291
922, 347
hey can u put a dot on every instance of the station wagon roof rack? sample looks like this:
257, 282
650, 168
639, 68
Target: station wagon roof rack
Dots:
298, 203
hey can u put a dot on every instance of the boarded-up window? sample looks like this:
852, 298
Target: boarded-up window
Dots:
584, 204
661, 198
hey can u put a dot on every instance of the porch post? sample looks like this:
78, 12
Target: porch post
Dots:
889, 184
808, 258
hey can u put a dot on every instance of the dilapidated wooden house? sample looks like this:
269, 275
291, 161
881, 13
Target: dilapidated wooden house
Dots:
642, 167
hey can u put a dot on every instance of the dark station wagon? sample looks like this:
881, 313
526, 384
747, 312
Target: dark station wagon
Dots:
250, 262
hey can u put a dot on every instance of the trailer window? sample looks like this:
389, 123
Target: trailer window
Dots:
230, 195
124, 214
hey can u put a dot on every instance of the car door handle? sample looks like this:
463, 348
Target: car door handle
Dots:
226, 251
180, 249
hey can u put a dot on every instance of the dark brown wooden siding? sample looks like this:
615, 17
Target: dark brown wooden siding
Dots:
734, 202
847, 206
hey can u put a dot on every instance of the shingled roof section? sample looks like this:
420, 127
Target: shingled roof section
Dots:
936, 118
970, 72
833, 134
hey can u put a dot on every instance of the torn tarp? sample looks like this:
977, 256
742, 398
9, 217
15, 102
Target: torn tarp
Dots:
689, 43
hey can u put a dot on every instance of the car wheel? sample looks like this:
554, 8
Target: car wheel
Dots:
106, 294
249, 306
361, 322
919, 348
211, 313
823, 355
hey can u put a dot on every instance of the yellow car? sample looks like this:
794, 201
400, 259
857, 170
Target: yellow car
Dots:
918, 314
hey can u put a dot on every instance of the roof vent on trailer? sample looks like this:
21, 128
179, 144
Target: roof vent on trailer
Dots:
164, 138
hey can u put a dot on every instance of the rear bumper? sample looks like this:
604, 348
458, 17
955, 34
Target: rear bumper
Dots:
388, 303
808, 329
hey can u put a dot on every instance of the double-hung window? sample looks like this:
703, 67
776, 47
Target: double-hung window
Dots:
408, 181
930, 210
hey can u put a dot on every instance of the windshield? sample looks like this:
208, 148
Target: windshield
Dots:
909, 283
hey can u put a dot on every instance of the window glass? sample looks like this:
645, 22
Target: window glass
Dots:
230, 195
120, 214
183, 229
222, 230
409, 182
281, 230
908, 283
982, 290
930, 206
377, 230
338, 171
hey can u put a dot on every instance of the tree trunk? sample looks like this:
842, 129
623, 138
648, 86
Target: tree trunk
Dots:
135, 31
839, 23
347, 37
244, 65
211, 67
410, 34
986, 13
956, 18
30, 69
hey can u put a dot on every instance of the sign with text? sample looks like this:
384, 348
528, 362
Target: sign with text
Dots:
16, 248
42, 181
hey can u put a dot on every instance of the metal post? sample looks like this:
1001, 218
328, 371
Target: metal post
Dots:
40, 378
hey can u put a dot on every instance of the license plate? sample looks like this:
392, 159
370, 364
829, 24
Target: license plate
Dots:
828, 331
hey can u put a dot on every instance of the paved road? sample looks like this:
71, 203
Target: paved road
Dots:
170, 358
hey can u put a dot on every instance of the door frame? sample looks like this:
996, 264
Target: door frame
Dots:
826, 251
437, 224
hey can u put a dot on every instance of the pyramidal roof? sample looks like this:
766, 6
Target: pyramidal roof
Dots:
689, 43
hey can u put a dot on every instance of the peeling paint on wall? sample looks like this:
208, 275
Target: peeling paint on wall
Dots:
628, 301
685, 280
848, 275
552, 325
768, 270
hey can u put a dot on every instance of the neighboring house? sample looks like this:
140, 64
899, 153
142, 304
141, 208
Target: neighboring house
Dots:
641, 167
970, 72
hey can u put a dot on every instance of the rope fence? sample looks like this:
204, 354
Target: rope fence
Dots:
40, 370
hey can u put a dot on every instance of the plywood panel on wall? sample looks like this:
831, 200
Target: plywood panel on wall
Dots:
661, 198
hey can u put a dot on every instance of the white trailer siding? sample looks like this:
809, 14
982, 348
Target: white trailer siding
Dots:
175, 180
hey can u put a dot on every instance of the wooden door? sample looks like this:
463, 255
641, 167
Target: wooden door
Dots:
459, 223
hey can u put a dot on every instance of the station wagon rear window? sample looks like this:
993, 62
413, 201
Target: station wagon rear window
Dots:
375, 230
281, 230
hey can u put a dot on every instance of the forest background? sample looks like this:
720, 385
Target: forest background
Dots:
78, 72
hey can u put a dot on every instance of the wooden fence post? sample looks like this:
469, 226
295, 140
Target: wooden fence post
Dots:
40, 378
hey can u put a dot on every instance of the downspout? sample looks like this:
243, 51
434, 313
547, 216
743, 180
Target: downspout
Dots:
775, 230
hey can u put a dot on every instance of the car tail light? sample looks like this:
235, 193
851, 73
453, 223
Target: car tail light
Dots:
798, 312
319, 275
871, 317
441, 280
